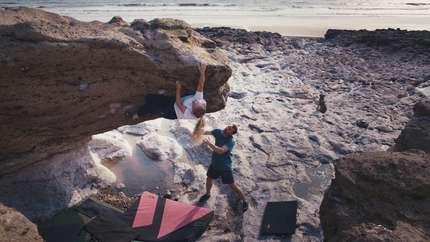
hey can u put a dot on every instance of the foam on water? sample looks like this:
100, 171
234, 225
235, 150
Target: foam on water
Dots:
104, 10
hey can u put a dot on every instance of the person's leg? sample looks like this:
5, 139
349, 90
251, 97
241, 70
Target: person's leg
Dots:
238, 191
211, 174
227, 178
159, 105
209, 182
160, 100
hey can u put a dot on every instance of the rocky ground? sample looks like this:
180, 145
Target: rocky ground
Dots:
371, 80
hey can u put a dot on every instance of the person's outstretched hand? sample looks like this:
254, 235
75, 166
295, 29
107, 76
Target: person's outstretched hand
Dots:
202, 66
178, 85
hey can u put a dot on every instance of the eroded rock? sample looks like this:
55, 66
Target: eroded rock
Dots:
416, 134
16, 227
378, 196
64, 80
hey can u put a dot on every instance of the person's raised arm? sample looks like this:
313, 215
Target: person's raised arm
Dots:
216, 149
202, 68
178, 97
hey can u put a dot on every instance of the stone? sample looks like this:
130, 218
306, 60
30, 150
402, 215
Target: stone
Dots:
16, 227
378, 196
416, 134
64, 80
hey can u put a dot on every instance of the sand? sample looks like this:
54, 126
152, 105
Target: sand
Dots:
312, 26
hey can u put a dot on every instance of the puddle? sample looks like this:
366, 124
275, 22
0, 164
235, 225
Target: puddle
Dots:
320, 177
140, 173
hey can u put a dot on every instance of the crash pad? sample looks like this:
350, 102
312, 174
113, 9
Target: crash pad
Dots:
156, 218
279, 218
71, 220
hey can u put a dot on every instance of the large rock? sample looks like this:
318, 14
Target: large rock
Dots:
16, 227
416, 134
380, 196
63, 80
383, 196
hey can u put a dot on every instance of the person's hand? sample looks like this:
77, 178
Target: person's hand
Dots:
178, 85
202, 66
206, 141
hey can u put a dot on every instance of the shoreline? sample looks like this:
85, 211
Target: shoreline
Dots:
313, 26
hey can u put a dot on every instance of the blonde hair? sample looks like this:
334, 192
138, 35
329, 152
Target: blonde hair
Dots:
199, 129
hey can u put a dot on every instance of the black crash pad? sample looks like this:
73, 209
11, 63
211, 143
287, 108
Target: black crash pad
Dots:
279, 218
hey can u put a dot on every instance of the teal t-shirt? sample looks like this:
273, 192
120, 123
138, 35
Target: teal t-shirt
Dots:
222, 162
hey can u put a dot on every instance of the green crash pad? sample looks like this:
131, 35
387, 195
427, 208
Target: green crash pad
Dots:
68, 225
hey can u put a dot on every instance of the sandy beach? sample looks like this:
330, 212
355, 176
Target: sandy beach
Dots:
312, 26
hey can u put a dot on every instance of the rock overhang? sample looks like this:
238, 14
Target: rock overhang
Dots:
64, 80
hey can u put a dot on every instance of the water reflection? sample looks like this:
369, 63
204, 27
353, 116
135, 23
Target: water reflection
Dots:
140, 173
320, 178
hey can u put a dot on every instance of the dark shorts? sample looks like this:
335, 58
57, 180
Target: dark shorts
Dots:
160, 105
226, 176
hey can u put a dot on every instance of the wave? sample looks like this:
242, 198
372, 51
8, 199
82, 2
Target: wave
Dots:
177, 4
232, 8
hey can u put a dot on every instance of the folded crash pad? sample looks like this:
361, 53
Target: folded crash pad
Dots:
69, 224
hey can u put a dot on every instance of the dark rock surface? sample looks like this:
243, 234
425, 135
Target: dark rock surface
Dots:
416, 134
383, 196
63, 80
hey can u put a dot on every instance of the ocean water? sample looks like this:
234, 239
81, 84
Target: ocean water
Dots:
104, 10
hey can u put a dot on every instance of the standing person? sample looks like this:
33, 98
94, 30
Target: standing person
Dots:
188, 107
221, 164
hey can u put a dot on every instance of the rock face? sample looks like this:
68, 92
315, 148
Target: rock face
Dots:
416, 134
16, 227
383, 196
63, 80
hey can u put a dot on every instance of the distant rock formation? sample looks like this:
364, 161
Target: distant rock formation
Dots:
383, 196
385, 39
63, 80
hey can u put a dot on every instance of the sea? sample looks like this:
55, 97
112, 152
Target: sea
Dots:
356, 13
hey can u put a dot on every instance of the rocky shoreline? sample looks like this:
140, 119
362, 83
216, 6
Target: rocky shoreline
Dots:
386, 41
374, 78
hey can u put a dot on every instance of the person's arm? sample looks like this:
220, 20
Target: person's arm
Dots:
207, 132
202, 68
216, 149
178, 97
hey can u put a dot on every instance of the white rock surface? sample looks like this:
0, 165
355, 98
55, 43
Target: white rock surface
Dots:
110, 145
70, 178
160, 148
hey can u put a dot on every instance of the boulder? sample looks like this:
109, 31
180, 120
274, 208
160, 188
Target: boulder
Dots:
383, 196
16, 227
416, 134
63, 80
